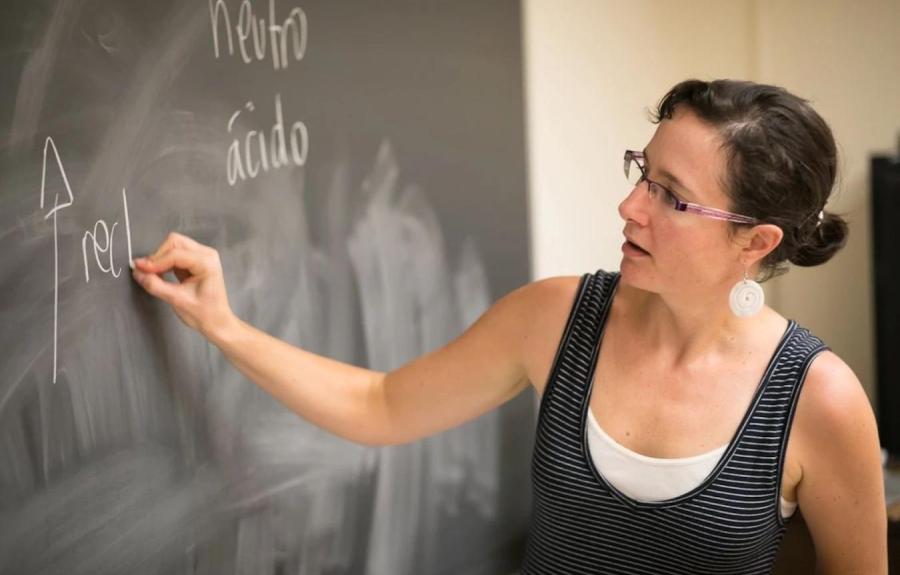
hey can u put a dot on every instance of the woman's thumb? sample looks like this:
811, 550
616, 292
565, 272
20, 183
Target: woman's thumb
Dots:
156, 286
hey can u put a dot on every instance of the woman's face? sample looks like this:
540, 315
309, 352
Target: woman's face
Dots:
688, 253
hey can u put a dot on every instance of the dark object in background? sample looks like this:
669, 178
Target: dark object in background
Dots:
797, 555
886, 265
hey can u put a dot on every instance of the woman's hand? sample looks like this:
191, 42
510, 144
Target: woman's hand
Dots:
199, 298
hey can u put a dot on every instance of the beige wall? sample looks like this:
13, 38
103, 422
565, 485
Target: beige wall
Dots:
593, 67
845, 58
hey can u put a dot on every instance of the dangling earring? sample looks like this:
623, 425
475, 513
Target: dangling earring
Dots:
747, 297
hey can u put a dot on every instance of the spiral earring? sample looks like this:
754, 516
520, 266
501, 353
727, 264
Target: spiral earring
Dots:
747, 297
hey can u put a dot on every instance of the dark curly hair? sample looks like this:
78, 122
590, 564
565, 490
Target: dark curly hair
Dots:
781, 163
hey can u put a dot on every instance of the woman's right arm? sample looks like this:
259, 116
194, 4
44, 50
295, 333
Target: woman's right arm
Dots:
478, 371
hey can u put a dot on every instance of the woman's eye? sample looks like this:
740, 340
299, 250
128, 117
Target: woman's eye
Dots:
663, 193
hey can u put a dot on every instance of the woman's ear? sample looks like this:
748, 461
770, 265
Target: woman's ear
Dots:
759, 241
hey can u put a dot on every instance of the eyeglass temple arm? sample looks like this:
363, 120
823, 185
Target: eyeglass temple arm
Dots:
715, 213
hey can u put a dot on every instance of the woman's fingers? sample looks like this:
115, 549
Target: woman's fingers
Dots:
167, 244
182, 275
176, 240
199, 296
178, 259
156, 286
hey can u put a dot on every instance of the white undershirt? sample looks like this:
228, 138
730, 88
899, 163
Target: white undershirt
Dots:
651, 478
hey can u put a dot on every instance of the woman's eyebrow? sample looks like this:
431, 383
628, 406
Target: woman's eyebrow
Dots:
671, 177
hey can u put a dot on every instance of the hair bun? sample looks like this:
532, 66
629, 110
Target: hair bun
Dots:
828, 236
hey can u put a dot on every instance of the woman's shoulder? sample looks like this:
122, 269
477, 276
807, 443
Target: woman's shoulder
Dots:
547, 305
550, 291
839, 455
563, 285
561, 290
834, 416
542, 303
831, 391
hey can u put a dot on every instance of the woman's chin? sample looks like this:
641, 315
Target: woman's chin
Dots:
634, 275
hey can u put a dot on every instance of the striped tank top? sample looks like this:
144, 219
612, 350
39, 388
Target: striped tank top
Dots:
729, 524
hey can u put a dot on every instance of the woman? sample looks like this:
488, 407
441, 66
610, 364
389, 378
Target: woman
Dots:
684, 442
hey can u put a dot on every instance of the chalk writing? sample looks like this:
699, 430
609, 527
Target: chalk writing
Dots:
251, 153
284, 40
101, 239
127, 228
49, 144
101, 243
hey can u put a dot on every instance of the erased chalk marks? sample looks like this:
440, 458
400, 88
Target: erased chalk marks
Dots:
414, 301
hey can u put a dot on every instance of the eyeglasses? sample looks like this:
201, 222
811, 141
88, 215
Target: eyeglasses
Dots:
658, 191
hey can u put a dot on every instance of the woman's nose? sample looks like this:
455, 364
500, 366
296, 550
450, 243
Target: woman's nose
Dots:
635, 205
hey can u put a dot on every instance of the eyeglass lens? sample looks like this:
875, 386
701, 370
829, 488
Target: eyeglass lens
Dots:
632, 171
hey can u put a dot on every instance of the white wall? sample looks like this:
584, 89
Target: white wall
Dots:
593, 67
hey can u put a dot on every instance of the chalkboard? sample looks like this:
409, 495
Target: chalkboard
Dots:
360, 166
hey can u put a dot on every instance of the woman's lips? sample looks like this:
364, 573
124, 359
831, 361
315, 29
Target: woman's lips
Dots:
632, 250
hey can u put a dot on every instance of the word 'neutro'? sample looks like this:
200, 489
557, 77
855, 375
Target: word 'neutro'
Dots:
292, 30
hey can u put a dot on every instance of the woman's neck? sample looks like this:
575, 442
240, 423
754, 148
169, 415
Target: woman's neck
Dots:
688, 329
